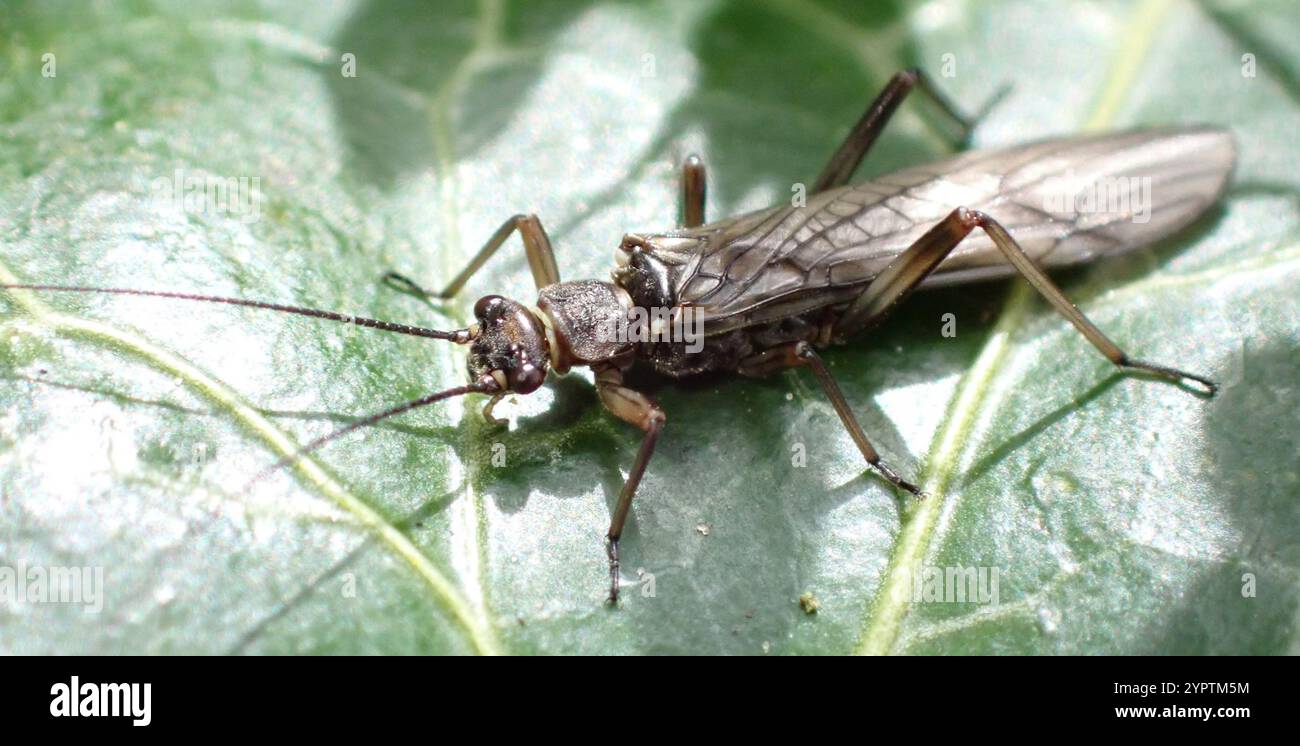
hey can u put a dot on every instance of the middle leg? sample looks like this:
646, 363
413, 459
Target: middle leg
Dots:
694, 192
801, 353
863, 135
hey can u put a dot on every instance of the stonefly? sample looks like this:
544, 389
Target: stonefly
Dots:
765, 290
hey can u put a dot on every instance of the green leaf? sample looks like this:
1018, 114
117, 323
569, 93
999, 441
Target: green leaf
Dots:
1121, 515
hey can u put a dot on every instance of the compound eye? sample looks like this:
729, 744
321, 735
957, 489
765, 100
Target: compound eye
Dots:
489, 307
527, 378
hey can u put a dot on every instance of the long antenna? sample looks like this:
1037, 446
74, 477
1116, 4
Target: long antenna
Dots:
460, 336
483, 387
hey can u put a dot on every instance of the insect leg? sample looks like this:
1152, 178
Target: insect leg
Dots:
541, 258
694, 190
850, 153
902, 276
635, 408
801, 353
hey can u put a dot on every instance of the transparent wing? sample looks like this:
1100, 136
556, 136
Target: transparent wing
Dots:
1066, 201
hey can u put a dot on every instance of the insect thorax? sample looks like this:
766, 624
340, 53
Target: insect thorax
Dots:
676, 340
582, 319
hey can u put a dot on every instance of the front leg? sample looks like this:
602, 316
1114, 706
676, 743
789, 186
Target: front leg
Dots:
635, 408
537, 246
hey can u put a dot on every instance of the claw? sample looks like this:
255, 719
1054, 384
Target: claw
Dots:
403, 284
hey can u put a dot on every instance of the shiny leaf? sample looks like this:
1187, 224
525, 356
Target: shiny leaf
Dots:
1120, 515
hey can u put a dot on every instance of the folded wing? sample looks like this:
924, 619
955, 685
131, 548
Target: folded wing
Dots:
1066, 201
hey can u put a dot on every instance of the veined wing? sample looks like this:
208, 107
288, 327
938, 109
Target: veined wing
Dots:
1065, 201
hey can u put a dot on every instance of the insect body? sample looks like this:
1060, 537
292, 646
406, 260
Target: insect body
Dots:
767, 289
